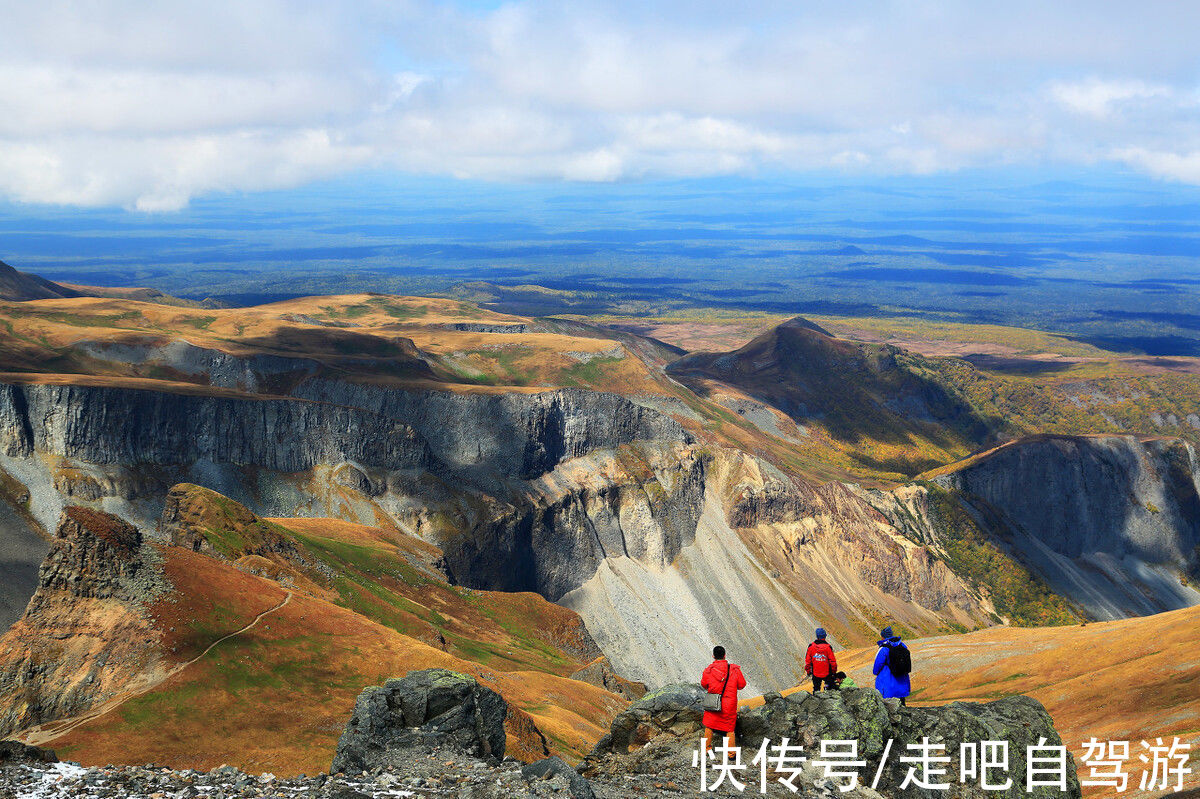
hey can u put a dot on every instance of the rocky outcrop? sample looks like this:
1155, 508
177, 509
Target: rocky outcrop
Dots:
204, 521
85, 635
426, 709
1111, 522
552, 767
17, 752
673, 712
658, 734
95, 556
553, 538
96, 425
511, 434
833, 518
600, 673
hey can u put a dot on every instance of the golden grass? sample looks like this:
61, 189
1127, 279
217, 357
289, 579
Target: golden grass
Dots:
277, 696
1132, 679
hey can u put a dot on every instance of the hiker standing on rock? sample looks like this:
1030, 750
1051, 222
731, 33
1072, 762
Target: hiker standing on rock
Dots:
893, 663
722, 680
819, 662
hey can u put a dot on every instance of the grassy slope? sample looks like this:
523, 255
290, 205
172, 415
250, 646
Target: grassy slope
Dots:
277, 696
1124, 680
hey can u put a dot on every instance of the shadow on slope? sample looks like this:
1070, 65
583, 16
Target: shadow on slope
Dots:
886, 404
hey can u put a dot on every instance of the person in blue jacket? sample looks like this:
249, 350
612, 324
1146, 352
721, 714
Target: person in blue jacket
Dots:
892, 667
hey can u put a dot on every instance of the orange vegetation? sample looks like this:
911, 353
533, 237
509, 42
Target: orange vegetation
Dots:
1134, 679
276, 695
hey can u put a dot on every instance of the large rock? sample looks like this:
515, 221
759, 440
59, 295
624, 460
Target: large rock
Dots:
17, 752
659, 733
424, 710
863, 715
554, 766
674, 710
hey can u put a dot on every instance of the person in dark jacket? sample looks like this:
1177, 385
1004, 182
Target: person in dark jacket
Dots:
820, 662
886, 682
725, 678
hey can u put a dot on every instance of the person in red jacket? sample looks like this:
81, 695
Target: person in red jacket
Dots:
725, 678
820, 662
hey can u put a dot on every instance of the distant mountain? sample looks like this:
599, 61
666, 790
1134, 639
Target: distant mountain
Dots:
138, 293
21, 286
889, 407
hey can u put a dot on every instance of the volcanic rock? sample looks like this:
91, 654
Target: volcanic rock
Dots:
425, 709
664, 728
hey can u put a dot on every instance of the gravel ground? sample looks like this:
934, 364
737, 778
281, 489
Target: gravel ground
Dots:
440, 773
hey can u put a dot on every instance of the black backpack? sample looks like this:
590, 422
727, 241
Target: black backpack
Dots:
899, 661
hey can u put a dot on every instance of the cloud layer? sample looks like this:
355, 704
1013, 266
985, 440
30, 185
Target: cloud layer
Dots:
149, 105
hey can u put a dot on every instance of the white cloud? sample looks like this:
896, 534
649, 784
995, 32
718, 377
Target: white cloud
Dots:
1100, 98
1183, 167
147, 106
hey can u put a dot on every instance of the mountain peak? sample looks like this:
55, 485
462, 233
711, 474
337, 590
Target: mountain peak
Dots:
800, 323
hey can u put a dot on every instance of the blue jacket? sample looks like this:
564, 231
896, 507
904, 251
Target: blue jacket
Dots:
887, 683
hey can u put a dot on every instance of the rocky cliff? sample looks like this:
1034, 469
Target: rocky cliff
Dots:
23, 546
1111, 522
583, 497
593, 501
85, 635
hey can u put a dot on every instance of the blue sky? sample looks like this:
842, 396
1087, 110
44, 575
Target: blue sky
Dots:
148, 107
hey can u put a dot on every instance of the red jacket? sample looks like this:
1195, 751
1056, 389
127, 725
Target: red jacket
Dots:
711, 681
820, 660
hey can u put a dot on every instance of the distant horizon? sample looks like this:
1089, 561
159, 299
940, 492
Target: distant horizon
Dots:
1028, 165
116, 104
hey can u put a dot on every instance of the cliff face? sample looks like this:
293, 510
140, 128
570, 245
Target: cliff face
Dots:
592, 501
839, 553
23, 546
511, 434
123, 426
1112, 522
583, 497
85, 635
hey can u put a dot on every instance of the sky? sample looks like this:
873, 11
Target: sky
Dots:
150, 107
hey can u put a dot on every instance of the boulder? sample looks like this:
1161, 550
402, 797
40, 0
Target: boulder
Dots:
664, 727
674, 710
17, 752
423, 710
554, 766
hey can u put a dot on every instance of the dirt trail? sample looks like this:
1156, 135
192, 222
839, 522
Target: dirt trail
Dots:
46, 733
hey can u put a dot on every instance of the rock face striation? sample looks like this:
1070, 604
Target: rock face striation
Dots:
85, 635
658, 733
1111, 522
424, 710
591, 500
583, 497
